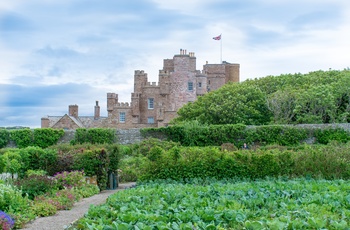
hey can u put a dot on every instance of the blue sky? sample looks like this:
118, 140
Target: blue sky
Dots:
57, 53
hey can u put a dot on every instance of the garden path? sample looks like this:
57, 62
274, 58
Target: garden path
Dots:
65, 218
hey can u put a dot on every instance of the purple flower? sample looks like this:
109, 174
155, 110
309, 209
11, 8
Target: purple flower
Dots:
6, 222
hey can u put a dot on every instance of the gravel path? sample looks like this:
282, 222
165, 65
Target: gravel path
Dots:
64, 218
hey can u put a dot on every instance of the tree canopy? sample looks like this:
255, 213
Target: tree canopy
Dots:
315, 97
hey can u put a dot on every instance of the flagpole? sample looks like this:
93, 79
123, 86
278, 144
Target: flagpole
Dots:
221, 49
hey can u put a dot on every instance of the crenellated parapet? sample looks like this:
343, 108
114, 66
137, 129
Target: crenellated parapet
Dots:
150, 84
123, 105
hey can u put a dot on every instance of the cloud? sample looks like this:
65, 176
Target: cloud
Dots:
56, 53
61, 52
11, 22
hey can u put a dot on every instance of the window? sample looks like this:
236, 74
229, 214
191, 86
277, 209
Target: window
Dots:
150, 103
150, 120
199, 84
190, 85
122, 117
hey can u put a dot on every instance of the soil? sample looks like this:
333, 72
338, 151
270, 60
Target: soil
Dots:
66, 218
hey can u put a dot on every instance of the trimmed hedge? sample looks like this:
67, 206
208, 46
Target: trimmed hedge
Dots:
95, 136
318, 161
41, 137
4, 137
195, 134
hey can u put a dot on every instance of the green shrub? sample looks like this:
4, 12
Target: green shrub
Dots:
45, 137
94, 163
36, 185
86, 191
95, 136
12, 162
36, 173
44, 208
4, 138
36, 158
71, 179
11, 199
194, 134
330, 162
324, 136
22, 137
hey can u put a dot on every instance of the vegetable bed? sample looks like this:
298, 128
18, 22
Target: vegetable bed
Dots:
269, 204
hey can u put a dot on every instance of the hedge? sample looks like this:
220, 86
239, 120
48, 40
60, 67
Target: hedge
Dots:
194, 134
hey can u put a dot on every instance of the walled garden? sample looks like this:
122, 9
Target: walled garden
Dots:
189, 177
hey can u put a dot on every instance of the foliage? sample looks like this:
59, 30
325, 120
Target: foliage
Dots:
11, 199
205, 204
41, 137
85, 191
70, 179
6, 222
319, 161
195, 134
36, 185
330, 161
93, 162
36, 158
4, 137
231, 104
36, 173
131, 168
95, 136
324, 136
12, 162
45, 137
315, 97
22, 137
42, 208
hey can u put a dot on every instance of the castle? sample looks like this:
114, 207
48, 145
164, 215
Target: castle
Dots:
153, 105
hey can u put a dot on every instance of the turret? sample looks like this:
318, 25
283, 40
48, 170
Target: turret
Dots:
140, 80
112, 100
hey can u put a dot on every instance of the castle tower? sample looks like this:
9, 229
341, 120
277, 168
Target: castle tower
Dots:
112, 100
140, 80
232, 72
73, 111
182, 80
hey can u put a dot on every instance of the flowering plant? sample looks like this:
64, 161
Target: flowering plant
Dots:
6, 222
71, 179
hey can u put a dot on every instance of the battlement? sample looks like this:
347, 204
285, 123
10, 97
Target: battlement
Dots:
135, 95
112, 95
163, 72
140, 73
124, 105
151, 84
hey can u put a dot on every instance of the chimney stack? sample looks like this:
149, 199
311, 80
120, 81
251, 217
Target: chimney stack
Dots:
97, 111
73, 111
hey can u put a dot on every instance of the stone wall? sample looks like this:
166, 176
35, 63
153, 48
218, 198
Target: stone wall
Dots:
125, 136
131, 136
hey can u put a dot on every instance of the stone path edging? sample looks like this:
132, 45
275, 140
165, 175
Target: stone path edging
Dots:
63, 219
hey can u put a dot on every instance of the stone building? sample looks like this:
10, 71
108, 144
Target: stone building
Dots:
152, 104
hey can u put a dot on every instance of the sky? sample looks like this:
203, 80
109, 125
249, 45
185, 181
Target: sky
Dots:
57, 53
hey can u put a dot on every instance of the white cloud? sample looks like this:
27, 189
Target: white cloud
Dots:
50, 48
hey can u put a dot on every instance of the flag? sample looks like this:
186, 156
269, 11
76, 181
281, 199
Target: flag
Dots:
217, 38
